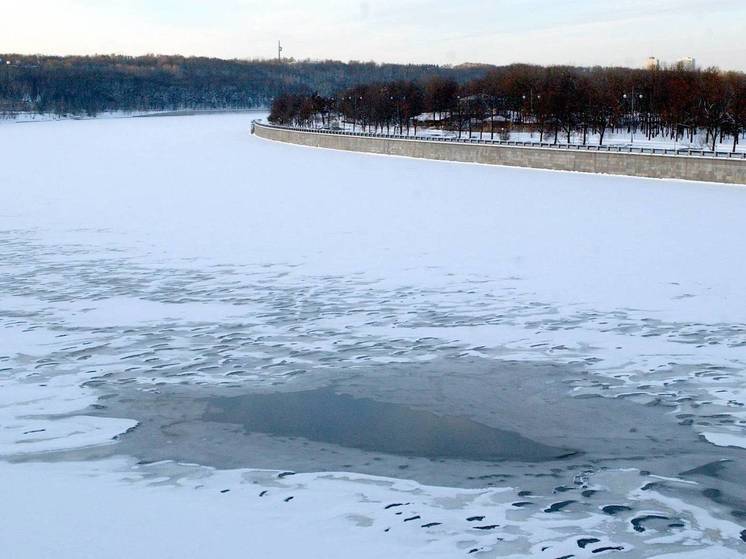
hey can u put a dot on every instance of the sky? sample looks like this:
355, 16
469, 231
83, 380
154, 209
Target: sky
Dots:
582, 32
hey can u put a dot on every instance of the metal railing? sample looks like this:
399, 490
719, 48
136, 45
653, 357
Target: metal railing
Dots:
680, 152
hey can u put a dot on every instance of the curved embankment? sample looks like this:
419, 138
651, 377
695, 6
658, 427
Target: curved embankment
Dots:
694, 168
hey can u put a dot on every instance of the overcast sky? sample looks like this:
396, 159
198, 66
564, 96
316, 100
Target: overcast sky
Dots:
583, 32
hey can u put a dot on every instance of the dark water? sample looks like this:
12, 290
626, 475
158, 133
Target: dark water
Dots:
466, 422
325, 416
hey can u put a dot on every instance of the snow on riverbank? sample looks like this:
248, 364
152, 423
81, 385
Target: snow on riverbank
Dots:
616, 138
147, 252
28, 117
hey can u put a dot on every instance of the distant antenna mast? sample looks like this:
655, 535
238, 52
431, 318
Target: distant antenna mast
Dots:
279, 51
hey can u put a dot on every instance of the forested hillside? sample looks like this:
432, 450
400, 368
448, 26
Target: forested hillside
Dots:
91, 85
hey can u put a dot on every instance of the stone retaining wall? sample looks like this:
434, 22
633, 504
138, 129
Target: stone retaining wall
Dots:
694, 168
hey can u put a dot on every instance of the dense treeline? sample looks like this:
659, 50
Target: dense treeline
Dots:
91, 85
557, 102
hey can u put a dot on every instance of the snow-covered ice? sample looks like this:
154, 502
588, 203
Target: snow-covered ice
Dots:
165, 261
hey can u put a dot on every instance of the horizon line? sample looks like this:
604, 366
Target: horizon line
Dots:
291, 59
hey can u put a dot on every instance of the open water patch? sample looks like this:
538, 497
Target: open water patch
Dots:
323, 415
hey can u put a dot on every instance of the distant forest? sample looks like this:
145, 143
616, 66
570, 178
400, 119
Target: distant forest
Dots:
557, 102
77, 85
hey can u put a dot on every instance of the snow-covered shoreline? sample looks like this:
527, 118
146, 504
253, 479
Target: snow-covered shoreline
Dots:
22, 118
612, 138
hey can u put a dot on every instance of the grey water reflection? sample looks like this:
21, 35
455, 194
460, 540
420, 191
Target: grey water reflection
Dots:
325, 416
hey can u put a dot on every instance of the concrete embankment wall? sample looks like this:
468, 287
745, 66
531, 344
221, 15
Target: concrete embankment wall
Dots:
694, 168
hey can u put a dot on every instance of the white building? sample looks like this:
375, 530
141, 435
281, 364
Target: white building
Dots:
686, 63
652, 63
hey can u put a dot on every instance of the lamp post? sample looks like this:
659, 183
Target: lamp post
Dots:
396, 104
354, 99
493, 106
633, 96
522, 108
458, 108
531, 100
348, 98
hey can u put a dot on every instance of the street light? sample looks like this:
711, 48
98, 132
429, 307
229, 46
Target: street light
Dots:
633, 97
458, 106
531, 100
397, 112
361, 124
354, 100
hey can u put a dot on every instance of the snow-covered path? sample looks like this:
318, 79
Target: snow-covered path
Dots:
169, 253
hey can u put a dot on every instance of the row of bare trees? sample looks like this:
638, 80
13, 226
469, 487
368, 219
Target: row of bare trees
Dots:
559, 103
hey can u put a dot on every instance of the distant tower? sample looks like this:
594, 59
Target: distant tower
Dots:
279, 51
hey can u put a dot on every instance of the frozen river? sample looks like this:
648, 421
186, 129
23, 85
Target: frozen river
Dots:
215, 345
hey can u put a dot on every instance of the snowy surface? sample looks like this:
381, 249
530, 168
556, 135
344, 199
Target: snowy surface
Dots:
25, 117
622, 138
143, 253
